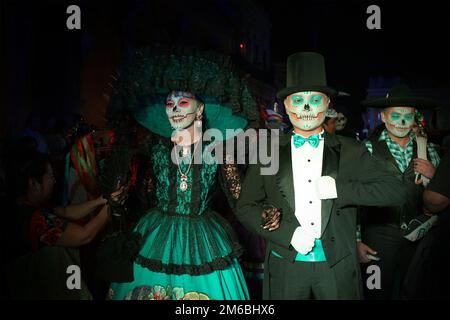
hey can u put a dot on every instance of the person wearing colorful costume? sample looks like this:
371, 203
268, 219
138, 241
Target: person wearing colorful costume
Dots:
390, 234
188, 251
47, 237
321, 180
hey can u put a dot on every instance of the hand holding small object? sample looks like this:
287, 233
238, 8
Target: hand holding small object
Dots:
270, 218
119, 196
424, 167
365, 253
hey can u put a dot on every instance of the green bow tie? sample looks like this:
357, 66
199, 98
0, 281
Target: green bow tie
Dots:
313, 140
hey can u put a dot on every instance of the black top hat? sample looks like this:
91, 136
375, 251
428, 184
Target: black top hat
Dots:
306, 72
400, 95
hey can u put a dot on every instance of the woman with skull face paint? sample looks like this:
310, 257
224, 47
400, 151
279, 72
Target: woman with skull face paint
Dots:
384, 229
188, 251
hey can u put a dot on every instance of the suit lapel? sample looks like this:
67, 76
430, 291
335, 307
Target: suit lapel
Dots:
330, 167
284, 178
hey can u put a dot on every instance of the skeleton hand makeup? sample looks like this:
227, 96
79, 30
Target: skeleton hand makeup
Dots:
181, 109
307, 109
341, 121
398, 120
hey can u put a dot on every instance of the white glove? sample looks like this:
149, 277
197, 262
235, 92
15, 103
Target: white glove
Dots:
302, 240
326, 188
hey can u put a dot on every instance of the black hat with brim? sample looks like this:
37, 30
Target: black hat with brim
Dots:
306, 72
282, 94
400, 96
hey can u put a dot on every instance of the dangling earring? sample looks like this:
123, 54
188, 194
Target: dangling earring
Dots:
198, 120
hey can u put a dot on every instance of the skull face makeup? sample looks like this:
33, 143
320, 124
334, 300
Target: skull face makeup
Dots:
181, 109
307, 109
398, 120
341, 121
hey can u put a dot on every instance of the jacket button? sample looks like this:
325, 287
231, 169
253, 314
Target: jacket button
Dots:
338, 212
332, 239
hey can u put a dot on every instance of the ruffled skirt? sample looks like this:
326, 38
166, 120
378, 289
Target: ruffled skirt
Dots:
185, 257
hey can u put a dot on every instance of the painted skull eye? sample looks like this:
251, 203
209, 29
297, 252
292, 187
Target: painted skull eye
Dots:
184, 102
170, 104
315, 100
395, 116
296, 100
409, 116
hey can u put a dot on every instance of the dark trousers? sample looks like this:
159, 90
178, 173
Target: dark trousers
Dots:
301, 280
395, 254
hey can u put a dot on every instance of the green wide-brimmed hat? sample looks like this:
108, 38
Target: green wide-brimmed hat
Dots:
154, 72
154, 118
400, 95
306, 72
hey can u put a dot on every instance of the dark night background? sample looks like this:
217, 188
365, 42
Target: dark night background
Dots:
413, 41
52, 70
59, 74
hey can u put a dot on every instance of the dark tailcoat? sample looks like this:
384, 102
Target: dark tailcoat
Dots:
360, 180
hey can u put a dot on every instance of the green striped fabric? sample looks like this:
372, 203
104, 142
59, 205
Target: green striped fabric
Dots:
403, 156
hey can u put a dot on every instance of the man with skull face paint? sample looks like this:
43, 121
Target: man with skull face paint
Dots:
341, 121
321, 180
383, 229
342, 126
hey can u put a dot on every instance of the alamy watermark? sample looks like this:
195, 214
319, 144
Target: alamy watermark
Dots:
73, 281
73, 22
374, 280
247, 147
374, 20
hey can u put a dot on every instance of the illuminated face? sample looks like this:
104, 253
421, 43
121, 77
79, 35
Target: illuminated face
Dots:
341, 121
398, 120
307, 109
181, 109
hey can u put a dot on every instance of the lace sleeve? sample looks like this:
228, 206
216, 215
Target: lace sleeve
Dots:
231, 180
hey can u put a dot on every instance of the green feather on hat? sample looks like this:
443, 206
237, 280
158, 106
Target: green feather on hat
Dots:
153, 72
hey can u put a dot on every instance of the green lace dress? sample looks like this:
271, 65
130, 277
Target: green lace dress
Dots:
189, 251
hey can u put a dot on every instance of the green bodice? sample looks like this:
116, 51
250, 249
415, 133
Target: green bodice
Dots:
181, 235
201, 180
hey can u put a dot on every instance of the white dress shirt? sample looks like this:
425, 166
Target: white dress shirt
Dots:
306, 170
